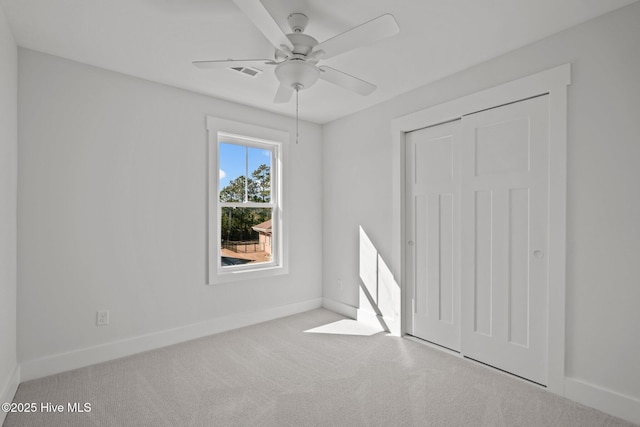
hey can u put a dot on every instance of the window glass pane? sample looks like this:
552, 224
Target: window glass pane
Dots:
259, 188
232, 172
245, 236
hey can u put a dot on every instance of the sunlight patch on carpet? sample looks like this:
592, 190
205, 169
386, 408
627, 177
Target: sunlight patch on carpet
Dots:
346, 327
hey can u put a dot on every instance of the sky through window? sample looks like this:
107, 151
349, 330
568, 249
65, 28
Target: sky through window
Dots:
233, 160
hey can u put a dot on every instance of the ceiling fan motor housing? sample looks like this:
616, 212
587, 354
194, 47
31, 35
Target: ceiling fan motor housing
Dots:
303, 44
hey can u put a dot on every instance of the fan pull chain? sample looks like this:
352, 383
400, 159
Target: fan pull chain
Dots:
297, 134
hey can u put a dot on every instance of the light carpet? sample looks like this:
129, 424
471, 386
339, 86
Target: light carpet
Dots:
310, 369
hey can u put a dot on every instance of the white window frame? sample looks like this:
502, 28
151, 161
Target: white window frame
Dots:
258, 137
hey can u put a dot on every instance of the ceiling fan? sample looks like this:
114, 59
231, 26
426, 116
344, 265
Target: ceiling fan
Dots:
297, 54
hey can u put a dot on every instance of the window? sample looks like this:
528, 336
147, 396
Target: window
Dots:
246, 215
246, 210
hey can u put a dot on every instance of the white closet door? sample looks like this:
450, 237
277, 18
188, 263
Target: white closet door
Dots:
432, 188
504, 197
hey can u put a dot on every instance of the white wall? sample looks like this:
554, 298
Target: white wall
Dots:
112, 215
603, 283
8, 176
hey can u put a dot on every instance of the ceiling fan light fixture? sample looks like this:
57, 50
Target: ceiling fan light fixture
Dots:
297, 74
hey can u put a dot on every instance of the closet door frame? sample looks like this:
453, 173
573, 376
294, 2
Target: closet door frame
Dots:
553, 82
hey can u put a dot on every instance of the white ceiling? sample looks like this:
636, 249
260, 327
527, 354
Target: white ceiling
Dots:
158, 39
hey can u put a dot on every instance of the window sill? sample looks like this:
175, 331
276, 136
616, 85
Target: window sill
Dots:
221, 277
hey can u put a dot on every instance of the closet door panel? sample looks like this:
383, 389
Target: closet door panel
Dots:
432, 184
504, 199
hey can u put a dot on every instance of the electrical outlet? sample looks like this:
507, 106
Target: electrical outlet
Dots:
102, 318
340, 284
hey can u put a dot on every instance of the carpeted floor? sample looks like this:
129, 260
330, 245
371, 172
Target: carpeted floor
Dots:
311, 369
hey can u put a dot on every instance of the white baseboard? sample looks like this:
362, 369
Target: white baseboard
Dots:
609, 401
340, 308
54, 364
9, 389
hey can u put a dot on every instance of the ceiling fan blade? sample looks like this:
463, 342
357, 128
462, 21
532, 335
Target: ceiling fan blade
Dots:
263, 20
346, 81
226, 63
283, 94
377, 29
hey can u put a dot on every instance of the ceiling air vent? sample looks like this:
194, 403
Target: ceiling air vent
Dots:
249, 71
